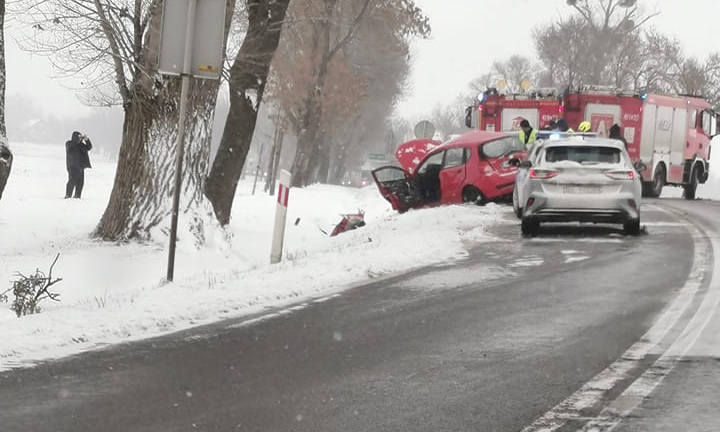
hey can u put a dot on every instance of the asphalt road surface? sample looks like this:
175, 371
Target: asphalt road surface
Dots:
488, 344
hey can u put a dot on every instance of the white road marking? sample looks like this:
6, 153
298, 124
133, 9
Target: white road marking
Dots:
638, 391
593, 392
280, 312
666, 224
573, 259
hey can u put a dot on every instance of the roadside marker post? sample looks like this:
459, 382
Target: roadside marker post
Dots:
284, 180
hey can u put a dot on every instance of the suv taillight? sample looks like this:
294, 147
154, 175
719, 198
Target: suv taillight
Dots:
621, 175
542, 174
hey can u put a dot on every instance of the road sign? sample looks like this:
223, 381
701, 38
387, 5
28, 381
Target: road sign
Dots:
424, 130
207, 39
377, 156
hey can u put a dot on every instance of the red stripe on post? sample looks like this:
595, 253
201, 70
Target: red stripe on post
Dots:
283, 195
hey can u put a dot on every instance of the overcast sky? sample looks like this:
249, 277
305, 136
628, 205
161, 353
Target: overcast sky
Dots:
468, 35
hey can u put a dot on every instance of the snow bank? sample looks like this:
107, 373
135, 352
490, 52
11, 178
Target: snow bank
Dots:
115, 293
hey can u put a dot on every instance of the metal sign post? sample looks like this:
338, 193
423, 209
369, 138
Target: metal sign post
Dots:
280, 216
201, 56
180, 148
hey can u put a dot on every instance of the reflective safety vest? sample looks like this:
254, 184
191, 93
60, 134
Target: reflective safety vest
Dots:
530, 140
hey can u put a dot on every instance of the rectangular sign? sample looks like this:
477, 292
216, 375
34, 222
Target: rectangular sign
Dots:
207, 41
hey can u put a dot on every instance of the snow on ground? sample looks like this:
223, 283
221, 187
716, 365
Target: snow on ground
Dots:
114, 293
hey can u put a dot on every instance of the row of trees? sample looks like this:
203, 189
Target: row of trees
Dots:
603, 42
322, 60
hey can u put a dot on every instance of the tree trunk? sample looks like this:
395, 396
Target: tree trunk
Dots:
6, 156
140, 198
6, 159
274, 164
322, 163
338, 169
248, 77
303, 167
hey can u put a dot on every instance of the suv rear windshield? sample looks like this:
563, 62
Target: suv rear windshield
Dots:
583, 154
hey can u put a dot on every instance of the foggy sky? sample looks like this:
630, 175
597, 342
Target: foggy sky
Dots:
468, 35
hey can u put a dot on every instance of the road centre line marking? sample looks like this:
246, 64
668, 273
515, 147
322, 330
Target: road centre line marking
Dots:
280, 312
592, 392
613, 415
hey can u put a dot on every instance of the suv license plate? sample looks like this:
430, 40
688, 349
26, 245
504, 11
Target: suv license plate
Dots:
581, 189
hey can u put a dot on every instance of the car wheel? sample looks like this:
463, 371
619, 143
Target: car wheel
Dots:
472, 195
691, 187
529, 227
632, 227
655, 188
516, 204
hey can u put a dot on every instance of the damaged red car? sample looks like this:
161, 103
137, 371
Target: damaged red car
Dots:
471, 168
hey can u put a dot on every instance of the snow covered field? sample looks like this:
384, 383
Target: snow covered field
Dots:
115, 293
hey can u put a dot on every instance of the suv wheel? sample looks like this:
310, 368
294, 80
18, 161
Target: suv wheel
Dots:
529, 227
516, 204
632, 227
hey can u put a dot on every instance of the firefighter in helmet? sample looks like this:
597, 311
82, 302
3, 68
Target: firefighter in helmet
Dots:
584, 127
527, 134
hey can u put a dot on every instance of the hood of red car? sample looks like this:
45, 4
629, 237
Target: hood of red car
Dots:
411, 153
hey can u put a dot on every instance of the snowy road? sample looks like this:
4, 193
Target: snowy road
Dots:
489, 344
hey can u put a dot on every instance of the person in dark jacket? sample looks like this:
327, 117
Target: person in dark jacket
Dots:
76, 160
615, 134
562, 126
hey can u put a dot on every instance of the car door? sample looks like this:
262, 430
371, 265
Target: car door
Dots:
395, 186
499, 173
523, 171
453, 174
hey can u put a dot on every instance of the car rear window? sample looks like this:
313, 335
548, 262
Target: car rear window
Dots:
583, 154
501, 147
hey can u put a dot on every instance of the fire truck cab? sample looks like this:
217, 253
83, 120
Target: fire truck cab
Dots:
502, 113
670, 135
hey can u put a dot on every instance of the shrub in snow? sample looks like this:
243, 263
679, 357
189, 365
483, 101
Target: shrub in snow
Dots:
30, 290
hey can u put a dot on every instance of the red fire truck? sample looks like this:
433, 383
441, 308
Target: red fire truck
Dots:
498, 112
669, 134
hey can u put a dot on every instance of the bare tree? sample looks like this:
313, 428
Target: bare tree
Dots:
668, 69
587, 47
514, 71
6, 157
248, 77
320, 83
111, 47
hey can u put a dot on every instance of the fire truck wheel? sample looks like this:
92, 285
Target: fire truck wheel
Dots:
516, 204
471, 194
658, 182
691, 186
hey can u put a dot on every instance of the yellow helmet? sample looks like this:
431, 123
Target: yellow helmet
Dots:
584, 127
